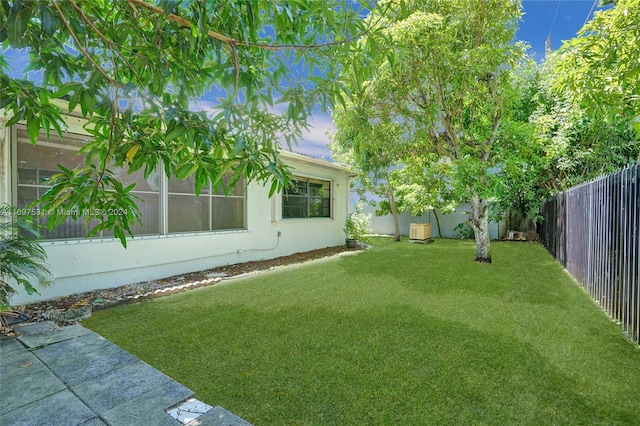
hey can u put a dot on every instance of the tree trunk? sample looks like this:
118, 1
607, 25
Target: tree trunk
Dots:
394, 213
435, 213
480, 223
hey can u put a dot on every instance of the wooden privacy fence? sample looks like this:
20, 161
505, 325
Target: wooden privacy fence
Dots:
594, 231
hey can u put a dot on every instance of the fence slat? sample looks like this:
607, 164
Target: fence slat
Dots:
593, 230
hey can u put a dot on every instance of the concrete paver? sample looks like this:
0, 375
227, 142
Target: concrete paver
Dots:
188, 410
73, 376
140, 407
25, 383
10, 346
90, 365
60, 408
73, 347
218, 416
13, 356
35, 328
50, 337
119, 386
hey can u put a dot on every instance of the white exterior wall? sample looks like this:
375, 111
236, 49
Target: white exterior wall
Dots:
90, 264
384, 224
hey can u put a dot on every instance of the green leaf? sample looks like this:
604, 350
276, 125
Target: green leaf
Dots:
168, 6
48, 20
201, 180
13, 120
64, 170
75, 98
86, 102
33, 128
274, 188
177, 131
241, 142
18, 21
117, 232
27, 286
129, 188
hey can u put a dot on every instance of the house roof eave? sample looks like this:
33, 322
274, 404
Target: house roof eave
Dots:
301, 158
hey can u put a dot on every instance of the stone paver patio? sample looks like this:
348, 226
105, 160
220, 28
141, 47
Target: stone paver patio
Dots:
73, 376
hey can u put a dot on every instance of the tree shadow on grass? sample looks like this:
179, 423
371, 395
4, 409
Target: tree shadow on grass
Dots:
420, 268
395, 365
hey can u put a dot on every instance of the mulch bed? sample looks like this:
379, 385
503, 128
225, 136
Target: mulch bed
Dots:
69, 309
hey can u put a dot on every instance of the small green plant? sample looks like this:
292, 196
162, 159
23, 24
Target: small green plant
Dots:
464, 231
357, 224
21, 256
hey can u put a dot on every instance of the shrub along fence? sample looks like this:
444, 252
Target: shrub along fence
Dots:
594, 231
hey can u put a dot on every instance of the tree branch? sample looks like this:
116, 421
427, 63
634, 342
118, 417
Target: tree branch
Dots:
236, 69
234, 42
86, 19
497, 117
424, 97
81, 49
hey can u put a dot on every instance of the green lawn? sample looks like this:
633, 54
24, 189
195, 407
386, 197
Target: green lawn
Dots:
402, 333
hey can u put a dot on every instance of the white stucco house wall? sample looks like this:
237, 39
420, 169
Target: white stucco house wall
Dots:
448, 222
181, 233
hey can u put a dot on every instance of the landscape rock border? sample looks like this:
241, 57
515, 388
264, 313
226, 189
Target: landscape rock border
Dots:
71, 309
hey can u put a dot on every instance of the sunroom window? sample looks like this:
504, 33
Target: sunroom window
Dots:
36, 163
212, 210
186, 212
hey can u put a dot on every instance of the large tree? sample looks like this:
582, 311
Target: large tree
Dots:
588, 103
133, 68
570, 141
374, 146
423, 186
578, 142
441, 70
600, 68
393, 176
369, 148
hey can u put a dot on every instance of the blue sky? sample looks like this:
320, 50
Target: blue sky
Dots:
559, 18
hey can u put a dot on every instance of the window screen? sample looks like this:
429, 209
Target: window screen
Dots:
307, 197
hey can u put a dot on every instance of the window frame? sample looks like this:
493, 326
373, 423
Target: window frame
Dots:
309, 197
210, 194
163, 194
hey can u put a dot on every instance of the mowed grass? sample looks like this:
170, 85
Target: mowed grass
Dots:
401, 333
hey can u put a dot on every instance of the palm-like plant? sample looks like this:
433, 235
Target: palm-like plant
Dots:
21, 257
